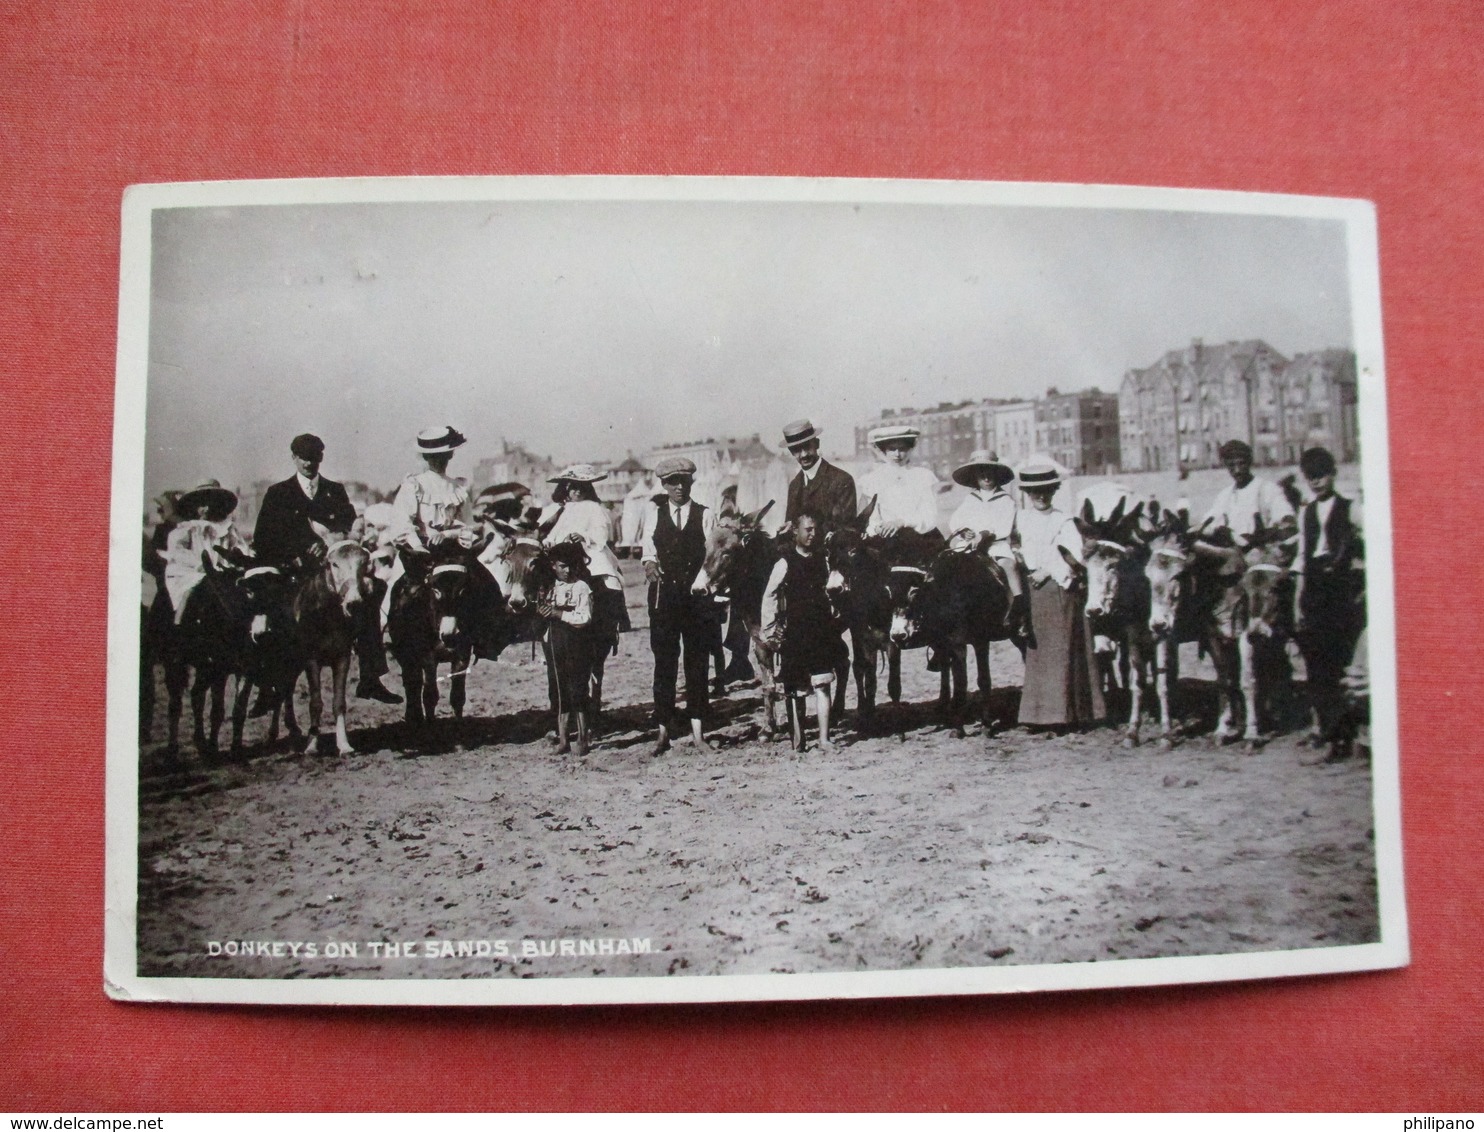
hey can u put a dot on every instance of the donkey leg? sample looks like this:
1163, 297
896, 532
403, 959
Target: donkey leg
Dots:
595, 704
894, 672
1136, 701
341, 675
958, 703
456, 684
1247, 677
218, 690
1162, 649
981, 664
316, 705
430, 690
412, 688
239, 712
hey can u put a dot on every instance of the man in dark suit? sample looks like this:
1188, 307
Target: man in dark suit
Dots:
283, 537
820, 488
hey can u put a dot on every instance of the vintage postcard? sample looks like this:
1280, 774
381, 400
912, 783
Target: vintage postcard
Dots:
548, 590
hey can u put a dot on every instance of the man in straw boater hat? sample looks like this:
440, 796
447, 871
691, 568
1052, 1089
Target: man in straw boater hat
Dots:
284, 538
673, 549
819, 488
985, 521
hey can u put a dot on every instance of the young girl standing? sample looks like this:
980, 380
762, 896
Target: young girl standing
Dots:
569, 644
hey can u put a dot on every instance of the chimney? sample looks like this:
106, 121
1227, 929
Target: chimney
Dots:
1195, 351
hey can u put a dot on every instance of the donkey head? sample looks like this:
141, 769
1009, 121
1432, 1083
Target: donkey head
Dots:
845, 552
1268, 554
1171, 551
734, 530
1107, 543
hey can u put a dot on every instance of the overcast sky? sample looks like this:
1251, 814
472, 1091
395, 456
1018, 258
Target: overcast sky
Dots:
586, 329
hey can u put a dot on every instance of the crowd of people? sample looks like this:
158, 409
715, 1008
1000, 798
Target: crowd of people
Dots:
1036, 543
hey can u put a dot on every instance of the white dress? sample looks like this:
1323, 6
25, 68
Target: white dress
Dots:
182, 554
992, 514
589, 521
905, 497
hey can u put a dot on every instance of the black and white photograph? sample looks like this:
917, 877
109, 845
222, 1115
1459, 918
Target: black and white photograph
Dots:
543, 590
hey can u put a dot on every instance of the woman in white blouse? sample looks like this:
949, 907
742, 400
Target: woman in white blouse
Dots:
906, 494
429, 507
1061, 689
576, 515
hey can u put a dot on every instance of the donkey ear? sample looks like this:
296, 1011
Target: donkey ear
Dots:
1088, 515
728, 507
1116, 517
1132, 518
757, 516
864, 518
322, 532
357, 529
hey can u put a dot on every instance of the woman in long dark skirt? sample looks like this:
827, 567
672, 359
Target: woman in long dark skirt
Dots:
1061, 686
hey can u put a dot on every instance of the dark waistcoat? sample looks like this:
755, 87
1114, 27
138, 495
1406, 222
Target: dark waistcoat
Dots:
681, 550
1339, 535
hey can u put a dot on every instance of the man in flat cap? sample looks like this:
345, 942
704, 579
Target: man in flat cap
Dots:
673, 548
819, 488
283, 537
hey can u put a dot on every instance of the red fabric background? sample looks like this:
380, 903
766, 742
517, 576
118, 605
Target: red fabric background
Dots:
1365, 99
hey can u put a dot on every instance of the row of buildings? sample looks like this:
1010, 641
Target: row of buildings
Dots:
1172, 415
1077, 430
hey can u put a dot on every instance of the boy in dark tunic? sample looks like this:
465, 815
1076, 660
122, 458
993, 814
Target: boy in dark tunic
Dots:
1329, 599
797, 617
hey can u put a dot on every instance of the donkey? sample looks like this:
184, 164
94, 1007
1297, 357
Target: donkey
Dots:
1118, 599
271, 657
959, 602
1247, 637
739, 558
859, 587
207, 640
425, 630
325, 609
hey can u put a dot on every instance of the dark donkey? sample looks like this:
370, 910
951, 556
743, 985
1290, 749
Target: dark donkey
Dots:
272, 655
740, 555
439, 607
860, 589
207, 641
956, 604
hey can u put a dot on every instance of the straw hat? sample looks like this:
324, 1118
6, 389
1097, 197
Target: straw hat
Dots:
443, 438
217, 499
578, 473
981, 461
800, 432
1039, 475
887, 433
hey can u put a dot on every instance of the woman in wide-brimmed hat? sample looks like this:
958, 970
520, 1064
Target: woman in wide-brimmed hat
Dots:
1060, 688
205, 529
985, 521
576, 515
906, 495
